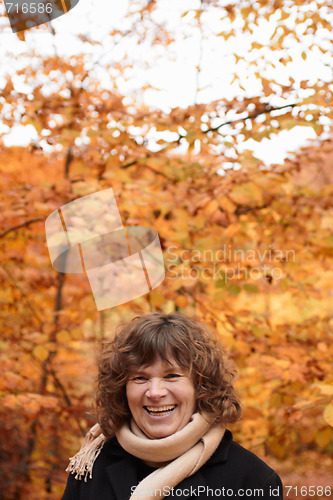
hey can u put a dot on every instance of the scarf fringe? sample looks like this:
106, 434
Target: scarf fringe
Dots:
82, 463
186, 451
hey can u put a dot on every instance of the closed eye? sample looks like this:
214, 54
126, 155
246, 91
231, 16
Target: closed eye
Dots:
140, 378
173, 375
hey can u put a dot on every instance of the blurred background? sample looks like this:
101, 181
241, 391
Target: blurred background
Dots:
212, 123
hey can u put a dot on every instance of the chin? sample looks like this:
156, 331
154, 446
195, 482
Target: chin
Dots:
159, 433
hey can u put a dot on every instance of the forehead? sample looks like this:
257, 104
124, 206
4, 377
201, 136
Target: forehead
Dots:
159, 365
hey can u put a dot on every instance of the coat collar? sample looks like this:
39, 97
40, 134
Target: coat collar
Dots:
222, 451
123, 478
123, 472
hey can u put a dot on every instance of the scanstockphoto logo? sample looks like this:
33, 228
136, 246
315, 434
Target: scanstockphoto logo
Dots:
26, 14
122, 263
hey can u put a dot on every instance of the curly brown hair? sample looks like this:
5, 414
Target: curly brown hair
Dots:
170, 337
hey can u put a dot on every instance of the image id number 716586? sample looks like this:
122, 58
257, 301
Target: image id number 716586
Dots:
311, 491
29, 8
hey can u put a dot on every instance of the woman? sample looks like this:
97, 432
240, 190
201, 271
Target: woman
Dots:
165, 394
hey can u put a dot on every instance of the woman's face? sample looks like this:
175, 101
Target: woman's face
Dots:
161, 398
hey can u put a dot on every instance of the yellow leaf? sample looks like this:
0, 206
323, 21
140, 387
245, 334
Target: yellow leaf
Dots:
199, 221
307, 435
63, 336
39, 338
41, 353
181, 301
48, 402
9, 401
48, 328
323, 438
282, 363
157, 299
247, 194
325, 389
211, 208
277, 449
31, 405
226, 204
328, 414
76, 334
169, 306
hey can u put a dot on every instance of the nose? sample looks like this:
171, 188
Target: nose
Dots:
156, 389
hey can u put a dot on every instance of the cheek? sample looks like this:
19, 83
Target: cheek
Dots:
132, 394
188, 395
193, 401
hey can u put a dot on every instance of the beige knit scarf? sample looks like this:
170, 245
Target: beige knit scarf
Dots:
185, 452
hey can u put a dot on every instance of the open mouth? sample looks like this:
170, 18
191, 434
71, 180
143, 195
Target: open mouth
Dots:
160, 411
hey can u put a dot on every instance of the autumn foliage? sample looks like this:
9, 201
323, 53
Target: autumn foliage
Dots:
248, 247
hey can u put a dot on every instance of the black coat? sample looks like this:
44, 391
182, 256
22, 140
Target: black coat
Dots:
232, 471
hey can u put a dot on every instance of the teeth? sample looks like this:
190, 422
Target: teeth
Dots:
160, 409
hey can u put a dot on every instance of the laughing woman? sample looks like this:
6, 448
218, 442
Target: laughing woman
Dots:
165, 395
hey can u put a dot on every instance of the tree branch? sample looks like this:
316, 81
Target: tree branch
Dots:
244, 210
130, 164
149, 168
24, 224
268, 109
68, 161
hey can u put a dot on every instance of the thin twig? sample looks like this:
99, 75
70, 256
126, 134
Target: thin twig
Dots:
130, 164
127, 165
200, 56
24, 224
268, 109
68, 161
244, 210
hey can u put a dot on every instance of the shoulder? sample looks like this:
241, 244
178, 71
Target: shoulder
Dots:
110, 454
112, 451
235, 464
230, 451
246, 458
